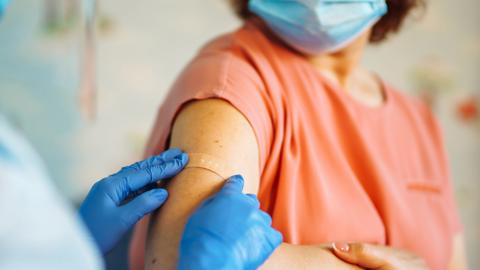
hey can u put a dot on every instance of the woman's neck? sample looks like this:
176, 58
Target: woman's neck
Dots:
341, 66
344, 69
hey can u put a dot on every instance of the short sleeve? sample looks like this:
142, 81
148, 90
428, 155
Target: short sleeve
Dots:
223, 75
219, 71
39, 229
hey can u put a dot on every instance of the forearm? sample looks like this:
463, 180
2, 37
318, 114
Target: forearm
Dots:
196, 184
162, 250
294, 257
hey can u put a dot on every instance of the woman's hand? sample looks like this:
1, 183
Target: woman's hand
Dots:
378, 257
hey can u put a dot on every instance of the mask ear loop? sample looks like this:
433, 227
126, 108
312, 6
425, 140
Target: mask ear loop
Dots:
210, 163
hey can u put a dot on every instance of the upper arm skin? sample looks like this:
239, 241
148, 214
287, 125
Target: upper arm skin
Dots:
212, 127
216, 128
459, 256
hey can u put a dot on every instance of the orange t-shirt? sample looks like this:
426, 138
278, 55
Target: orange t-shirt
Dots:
332, 169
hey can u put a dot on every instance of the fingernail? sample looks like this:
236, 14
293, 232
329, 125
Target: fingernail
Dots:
341, 247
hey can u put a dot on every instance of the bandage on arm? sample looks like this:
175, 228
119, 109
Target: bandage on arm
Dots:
216, 129
220, 143
209, 163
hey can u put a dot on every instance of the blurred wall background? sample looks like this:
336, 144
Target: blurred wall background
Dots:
142, 46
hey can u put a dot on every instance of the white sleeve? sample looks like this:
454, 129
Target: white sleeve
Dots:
38, 229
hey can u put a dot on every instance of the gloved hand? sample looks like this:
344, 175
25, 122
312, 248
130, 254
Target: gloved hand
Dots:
228, 231
105, 211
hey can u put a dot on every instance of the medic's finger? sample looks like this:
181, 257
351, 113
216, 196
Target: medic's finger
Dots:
252, 198
154, 173
266, 219
152, 161
151, 174
143, 205
159, 159
168, 155
233, 185
126, 184
168, 169
275, 238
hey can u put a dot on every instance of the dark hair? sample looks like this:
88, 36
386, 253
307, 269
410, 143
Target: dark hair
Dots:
390, 23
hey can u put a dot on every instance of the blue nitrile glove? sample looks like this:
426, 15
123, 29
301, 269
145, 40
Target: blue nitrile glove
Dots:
106, 213
228, 231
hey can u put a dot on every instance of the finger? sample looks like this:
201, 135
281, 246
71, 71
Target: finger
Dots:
252, 198
164, 157
129, 182
154, 173
154, 160
142, 205
267, 220
275, 238
233, 185
363, 255
168, 169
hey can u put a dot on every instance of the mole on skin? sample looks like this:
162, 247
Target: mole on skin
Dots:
217, 141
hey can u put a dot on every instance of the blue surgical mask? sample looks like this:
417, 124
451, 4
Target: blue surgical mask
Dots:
319, 26
3, 6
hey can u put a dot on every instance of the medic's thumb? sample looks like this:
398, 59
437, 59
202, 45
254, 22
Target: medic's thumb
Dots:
234, 184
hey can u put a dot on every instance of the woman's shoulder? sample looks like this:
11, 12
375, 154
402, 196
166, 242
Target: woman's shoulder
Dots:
249, 44
222, 70
229, 61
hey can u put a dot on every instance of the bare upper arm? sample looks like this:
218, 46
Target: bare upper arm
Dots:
212, 127
215, 127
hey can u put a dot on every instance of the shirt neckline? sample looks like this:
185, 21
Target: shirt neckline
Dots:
258, 24
347, 98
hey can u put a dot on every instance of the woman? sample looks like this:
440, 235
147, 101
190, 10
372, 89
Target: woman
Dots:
334, 153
